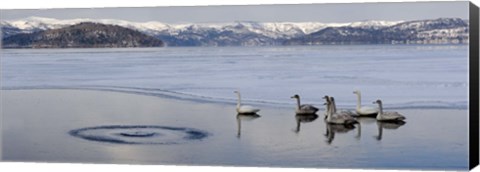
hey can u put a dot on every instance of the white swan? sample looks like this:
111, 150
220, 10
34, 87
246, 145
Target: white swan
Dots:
388, 116
336, 118
303, 109
364, 110
244, 109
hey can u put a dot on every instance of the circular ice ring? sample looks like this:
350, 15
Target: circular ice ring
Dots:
139, 134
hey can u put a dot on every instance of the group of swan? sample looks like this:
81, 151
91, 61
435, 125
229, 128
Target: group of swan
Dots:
331, 114
378, 112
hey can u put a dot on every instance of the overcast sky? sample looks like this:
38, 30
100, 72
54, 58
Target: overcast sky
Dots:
264, 13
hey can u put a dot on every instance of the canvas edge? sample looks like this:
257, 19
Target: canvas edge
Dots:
474, 86
1, 91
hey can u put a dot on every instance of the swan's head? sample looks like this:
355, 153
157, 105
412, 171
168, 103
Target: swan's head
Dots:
356, 92
327, 100
377, 102
296, 96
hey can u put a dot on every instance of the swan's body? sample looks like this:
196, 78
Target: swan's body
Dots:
347, 112
388, 116
304, 109
337, 118
364, 110
244, 109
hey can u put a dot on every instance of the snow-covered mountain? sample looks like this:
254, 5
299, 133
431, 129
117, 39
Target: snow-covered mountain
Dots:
435, 31
270, 29
373, 24
249, 33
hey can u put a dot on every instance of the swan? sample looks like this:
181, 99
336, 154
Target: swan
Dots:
336, 118
244, 109
388, 116
364, 110
303, 109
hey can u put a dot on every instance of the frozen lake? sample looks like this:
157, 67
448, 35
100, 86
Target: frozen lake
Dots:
176, 106
402, 76
107, 127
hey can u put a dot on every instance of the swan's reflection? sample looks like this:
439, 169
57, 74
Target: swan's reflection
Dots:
306, 118
391, 125
244, 117
331, 129
363, 121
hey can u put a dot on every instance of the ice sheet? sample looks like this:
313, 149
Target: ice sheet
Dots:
403, 76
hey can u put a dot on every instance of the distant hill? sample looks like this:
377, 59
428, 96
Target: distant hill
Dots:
82, 35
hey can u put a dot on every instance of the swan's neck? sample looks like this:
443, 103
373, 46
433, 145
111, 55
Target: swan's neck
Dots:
329, 112
359, 100
239, 100
380, 110
327, 107
334, 107
298, 103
